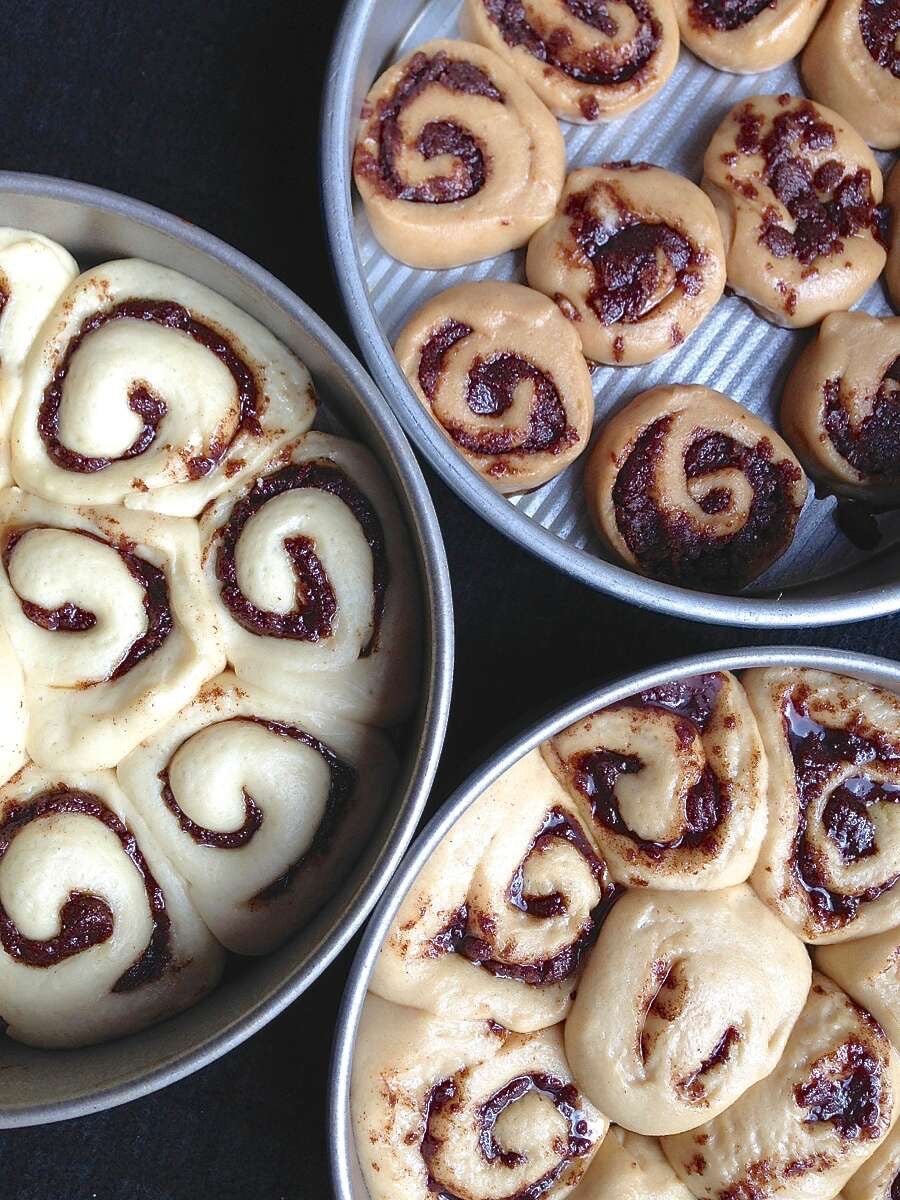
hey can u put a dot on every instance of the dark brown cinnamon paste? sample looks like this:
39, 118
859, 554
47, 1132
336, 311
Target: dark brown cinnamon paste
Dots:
879, 26
846, 1089
873, 446
727, 15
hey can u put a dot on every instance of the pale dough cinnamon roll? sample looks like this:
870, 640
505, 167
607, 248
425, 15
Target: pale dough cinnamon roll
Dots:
801, 1132
13, 718
588, 60
310, 573
262, 804
687, 486
501, 371
866, 968
796, 190
673, 782
831, 856
107, 614
466, 1109
457, 159
686, 1001
747, 36
97, 935
892, 270
498, 922
841, 406
148, 389
629, 1166
879, 1177
633, 257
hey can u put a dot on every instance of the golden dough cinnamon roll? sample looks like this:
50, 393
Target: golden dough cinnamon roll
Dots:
147, 389
466, 1109
457, 159
588, 60
879, 1177
673, 782
501, 371
107, 615
689, 487
13, 719
498, 922
841, 406
633, 257
97, 935
685, 1002
892, 270
831, 856
804, 1129
262, 804
797, 192
866, 968
747, 36
629, 1166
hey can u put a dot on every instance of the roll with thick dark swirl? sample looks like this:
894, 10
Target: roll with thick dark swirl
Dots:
747, 36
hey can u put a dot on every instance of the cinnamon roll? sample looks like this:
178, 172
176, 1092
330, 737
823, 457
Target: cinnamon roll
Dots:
866, 968
687, 486
797, 192
97, 935
686, 1001
633, 257
261, 804
149, 390
588, 60
106, 613
309, 570
879, 1176
501, 371
804, 1129
672, 781
892, 270
13, 719
466, 1109
831, 855
841, 406
747, 36
631, 1167
457, 159
498, 922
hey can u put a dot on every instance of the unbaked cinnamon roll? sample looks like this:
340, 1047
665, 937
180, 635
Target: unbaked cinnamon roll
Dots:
457, 159
797, 192
879, 1177
841, 406
498, 922
633, 257
261, 804
107, 615
501, 371
747, 36
97, 935
866, 968
804, 1129
13, 718
466, 1109
588, 60
631, 1167
686, 1001
309, 570
831, 856
689, 487
892, 269
148, 389
673, 782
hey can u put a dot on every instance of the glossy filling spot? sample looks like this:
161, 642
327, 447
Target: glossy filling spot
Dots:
879, 27
845, 1089
873, 446
727, 15
693, 1086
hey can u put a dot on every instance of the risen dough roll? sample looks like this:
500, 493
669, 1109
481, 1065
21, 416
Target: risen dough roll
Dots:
866, 969
877, 1178
747, 36
457, 160
892, 270
631, 1167
685, 1002
148, 389
13, 718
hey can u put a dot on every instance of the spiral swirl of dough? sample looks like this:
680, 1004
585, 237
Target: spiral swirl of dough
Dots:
629, 1166
877, 1178
747, 36
457, 159
13, 717
866, 968
149, 390
892, 269
466, 1109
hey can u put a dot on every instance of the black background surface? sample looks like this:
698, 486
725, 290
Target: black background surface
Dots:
210, 110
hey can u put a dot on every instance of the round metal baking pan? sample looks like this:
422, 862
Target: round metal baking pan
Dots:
346, 1173
96, 225
823, 579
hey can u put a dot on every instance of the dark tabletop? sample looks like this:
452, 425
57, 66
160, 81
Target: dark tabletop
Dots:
210, 110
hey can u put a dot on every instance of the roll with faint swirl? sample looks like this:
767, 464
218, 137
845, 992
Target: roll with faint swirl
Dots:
456, 159
466, 1109
588, 60
148, 389
841, 406
747, 36
801, 1132
13, 718
498, 922
866, 968
107, 614
879, 1176
310, 573
686, 1001
689, 487
629, 1166
263, 805
892, 269
501, 371
633, 257
673, 782
831, 857
797, 192
97, 935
